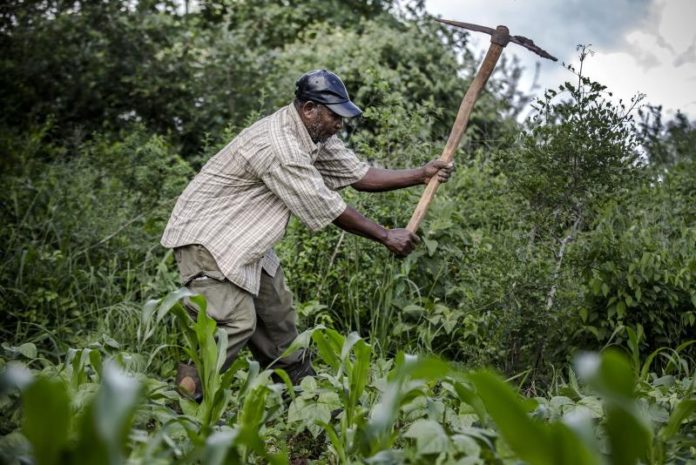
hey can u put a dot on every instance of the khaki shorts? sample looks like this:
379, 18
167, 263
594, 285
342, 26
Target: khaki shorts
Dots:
266, 323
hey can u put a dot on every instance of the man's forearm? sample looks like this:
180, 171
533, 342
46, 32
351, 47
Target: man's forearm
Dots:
399, 241
380, 179
354, 222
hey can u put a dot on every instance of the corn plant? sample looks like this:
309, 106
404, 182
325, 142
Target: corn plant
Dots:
101, 427
206, 346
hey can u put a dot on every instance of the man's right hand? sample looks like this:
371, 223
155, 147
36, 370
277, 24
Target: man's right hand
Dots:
401, 241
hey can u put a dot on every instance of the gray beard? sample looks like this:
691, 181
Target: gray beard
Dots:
315, 135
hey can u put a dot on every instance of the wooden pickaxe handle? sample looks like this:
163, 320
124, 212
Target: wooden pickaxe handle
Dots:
498, 42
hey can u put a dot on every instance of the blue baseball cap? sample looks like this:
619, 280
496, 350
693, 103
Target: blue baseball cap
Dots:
322, 86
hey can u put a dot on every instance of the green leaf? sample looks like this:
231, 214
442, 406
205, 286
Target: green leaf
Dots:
170, 301
430, 437
47, 419
528, 438
302, 341
336, 442
114, 407
568, 448
329, 344
309, 413
218, 448
611, 374
467, 395
359, 374
27, 349
386, 457
466, 445
431, 246
681, 412
424, 368
283, 375
629, 436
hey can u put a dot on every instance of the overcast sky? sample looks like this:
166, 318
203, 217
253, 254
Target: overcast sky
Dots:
646, 46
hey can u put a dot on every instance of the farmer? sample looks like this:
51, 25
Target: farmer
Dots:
226, 221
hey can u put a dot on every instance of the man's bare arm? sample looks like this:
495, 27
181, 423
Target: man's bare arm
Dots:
399, 241
380, 179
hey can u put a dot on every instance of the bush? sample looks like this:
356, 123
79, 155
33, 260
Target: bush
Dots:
81, 228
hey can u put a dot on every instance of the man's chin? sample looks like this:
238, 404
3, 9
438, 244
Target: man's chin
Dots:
321, 139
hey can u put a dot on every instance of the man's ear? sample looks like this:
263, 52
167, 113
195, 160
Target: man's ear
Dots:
309, 108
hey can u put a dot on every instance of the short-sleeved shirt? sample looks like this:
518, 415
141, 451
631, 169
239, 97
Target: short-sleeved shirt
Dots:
240, 202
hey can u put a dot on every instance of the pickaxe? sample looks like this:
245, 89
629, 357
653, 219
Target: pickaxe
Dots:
500, 37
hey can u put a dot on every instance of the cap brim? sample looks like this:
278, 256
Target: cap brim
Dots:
346, 109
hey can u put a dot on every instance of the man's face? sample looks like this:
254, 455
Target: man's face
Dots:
321, 123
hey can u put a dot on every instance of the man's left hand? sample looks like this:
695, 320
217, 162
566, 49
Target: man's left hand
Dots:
442, 169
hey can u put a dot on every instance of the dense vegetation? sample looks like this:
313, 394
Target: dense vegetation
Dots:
571, 232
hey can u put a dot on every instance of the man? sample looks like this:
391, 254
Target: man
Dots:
227, 220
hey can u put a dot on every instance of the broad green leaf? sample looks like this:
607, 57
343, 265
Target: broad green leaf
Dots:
568, 448
467, 395
218, 448
302, 341
27, 349
95, 359
591, 405
329, 344
171, 299
682, 411
423, 368
466, 445
283, 375
528, 438
309, 413
430, 437
359, 373
611, 373
47, 419
114, 407
386, 457
145, 328
616, 374
254, 408
350, 341
336, 442
629, 436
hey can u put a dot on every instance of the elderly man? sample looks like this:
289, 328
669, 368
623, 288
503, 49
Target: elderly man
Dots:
228, 218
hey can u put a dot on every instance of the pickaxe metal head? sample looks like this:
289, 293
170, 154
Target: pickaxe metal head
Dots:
501, 36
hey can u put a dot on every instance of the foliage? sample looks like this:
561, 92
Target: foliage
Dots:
639, 264
408, 410
80, 230
667, 144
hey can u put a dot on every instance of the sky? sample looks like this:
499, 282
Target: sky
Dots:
640, 46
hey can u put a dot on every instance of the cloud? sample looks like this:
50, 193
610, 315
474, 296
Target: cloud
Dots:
646, 46
689, 56
597, 21
553, 24
675, 22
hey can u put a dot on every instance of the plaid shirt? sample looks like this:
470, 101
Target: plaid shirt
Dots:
239, 204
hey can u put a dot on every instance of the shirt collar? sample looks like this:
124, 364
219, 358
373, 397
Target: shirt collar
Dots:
305, 139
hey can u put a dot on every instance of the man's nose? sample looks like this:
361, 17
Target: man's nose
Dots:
339, 124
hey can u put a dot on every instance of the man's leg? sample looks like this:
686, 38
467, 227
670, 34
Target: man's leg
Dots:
276, 328
231, 307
